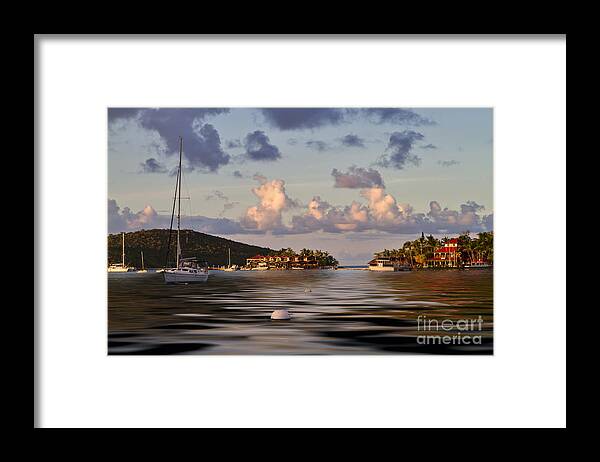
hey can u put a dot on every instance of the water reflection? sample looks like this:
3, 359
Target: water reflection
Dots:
333, 312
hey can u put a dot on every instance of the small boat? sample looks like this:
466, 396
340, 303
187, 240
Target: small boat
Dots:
297, 268
478, 264
142, 269
187, 270
229, 267
387, 264
262, 266
120, 268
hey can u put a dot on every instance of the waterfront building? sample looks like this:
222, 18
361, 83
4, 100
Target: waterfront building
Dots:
283, 262
446, 256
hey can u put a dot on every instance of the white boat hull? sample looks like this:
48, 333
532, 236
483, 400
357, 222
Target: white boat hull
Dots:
120, 270
389, 268
184, 277
382, 268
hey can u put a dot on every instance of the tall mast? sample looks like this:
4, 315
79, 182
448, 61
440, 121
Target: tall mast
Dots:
179, 202
142, 252
123, 252
171, 224
229, 252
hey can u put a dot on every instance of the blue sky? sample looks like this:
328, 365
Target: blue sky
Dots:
351, 181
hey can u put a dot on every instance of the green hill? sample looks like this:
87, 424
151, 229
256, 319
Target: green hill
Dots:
153, 242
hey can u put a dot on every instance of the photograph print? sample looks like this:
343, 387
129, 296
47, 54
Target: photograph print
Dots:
300, 231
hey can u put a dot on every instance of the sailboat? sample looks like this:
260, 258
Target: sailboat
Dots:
142, 270
187, 270
115, 267
229, 267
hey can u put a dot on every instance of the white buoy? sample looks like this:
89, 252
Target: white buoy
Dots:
280, 314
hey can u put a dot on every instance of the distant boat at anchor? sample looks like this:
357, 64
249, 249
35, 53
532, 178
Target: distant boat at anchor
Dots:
387, 264
229, 266
120, 268
142, 269
478, 264
187, 270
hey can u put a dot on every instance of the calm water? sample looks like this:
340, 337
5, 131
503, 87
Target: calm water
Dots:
333, 312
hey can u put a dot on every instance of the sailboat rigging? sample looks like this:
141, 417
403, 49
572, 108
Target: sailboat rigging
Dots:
229, 267
122, 268
187, 270
142, 269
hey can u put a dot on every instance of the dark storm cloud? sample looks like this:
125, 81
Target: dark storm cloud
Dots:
302, 118
238, 174
201, 142
317, 145
399, 150
307, 118
115, 113
353, 141
357, 177
258, 147
395, 116
448, 163
152, 166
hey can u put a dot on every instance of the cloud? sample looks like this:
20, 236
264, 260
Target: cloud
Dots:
116, 113
147, 218
125, 219
399, 150
382, 212
201, 142
448, 163
428, 146
232, 144
273, 200
317, 145
357, 177
216, 194
396, 116
311, 118
152, 166
471, 207
454, 221
219, 195
292, 141
258, 147
353, 141
238, 174
259, 177
184, 168
302, 118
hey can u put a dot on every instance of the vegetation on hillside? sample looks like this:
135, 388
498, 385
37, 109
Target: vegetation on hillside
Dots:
153, 243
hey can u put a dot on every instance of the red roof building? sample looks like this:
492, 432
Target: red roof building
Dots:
447, 256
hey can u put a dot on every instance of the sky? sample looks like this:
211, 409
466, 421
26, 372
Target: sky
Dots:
351, 181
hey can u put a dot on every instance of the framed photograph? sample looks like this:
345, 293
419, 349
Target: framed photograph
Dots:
300, 231
315, 231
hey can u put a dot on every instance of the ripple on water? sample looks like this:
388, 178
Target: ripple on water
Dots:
345, 312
